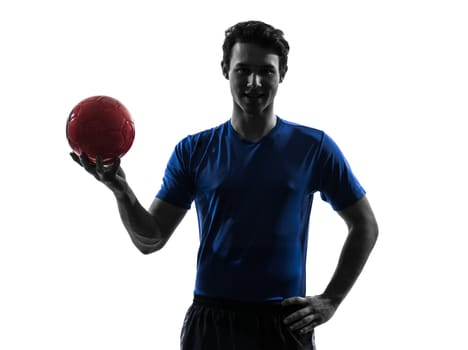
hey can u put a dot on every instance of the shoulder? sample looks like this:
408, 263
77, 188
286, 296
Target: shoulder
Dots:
299, 128
193, 147
314, 139
199, 139
301, 133
204, 135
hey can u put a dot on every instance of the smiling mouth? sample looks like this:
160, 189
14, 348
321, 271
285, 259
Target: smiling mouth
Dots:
253, 96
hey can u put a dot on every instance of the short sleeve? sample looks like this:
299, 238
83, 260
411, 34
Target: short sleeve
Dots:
337, 183
178, 186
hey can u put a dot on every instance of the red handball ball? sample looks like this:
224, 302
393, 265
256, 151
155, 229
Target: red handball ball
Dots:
100, 125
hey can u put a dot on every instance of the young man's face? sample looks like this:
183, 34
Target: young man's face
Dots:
254, 77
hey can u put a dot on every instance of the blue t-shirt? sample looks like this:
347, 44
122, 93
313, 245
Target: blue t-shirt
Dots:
253, 202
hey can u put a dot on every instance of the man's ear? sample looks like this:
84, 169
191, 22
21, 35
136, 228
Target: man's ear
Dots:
284, 74
225, 70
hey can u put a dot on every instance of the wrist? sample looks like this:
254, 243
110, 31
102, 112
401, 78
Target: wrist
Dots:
119, 194
333, 298
122, 193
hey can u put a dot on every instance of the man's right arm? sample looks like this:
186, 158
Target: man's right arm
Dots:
149, 230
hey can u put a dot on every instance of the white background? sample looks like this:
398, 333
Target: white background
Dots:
386, 79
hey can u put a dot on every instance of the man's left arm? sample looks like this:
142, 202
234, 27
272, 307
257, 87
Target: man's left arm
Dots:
362, 235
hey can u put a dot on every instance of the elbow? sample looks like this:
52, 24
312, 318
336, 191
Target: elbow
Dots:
148, 245
372, 232
375, 229
147, 249
365, 232
370, 227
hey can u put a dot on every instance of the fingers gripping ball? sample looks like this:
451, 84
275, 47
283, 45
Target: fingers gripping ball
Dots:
100, 125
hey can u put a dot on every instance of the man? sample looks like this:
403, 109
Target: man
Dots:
252, 179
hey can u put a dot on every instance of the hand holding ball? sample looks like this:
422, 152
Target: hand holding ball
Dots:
100, 126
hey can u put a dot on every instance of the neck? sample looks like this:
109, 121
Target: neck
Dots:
253, 127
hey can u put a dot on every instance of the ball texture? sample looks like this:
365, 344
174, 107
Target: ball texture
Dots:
100, 125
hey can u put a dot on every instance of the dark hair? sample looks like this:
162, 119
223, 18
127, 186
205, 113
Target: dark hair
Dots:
259, 33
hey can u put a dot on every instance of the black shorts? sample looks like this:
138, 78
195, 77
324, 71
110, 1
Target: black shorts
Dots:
213, 324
